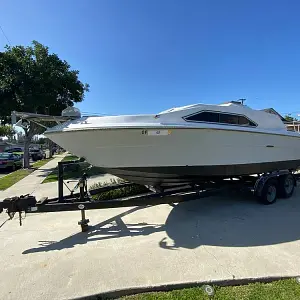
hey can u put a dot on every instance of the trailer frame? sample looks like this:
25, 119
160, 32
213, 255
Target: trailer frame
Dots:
259, 185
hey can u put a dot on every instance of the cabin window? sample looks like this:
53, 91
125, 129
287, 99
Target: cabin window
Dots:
229, 119
246, 122
221, 118
205, 116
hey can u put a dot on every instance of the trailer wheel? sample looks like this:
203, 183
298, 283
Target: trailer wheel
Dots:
286, 186
269, 192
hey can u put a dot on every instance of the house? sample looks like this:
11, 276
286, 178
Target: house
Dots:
293, 126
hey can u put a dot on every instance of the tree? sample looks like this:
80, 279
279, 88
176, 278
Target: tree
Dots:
41, 140
8, 131
290, 119
20, 137
34, 80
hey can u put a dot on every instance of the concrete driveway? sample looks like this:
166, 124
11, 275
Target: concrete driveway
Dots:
208, 239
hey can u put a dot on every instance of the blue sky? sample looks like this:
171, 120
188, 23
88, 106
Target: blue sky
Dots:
146, 56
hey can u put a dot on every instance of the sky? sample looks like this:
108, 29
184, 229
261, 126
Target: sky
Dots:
145, 56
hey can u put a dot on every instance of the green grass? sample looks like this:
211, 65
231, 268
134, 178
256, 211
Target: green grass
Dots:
41, 163
70, 157
75, 171
14, 177
278, 290
19, 153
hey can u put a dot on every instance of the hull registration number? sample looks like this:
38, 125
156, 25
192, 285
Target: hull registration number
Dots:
156, 132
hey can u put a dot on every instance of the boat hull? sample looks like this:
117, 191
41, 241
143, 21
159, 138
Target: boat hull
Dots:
174, 175
167, 156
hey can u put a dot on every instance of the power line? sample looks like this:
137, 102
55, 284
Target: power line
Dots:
5, 35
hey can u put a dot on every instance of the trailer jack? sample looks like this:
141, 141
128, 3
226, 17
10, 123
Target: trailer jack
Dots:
17, 205
83, 222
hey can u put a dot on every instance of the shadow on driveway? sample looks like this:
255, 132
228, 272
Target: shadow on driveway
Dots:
225, 221
232, 222
108, 229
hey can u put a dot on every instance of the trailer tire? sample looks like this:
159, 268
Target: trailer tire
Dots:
286, 186
269, 193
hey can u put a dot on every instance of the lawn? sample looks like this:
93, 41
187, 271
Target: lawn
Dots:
40, 163
70, 157
12, 178
74, 171
277, 290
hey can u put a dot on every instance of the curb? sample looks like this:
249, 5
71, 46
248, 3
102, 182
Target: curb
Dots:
6, 175
113, 294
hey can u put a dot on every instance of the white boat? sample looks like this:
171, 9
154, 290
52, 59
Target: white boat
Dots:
183, 145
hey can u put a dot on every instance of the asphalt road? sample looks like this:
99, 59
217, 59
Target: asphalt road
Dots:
216, 238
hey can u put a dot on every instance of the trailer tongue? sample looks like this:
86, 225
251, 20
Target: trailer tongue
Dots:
28, 204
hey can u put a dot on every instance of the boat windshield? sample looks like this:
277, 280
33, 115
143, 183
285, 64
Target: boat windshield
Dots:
180, 108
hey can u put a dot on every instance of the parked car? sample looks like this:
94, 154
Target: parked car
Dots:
14, 149
10, 161
36, 154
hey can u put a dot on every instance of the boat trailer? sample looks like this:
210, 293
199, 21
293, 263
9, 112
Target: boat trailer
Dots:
267, 187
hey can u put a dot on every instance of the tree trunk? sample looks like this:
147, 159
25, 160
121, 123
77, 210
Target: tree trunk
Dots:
29, 133
50, 145
26, 158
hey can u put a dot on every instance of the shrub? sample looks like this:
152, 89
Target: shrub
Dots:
121, 192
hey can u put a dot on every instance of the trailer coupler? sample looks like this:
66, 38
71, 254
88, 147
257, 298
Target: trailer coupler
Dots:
28, 203
18, 205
